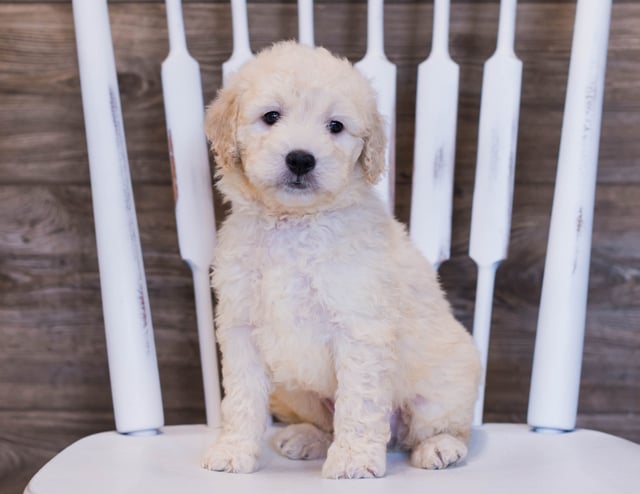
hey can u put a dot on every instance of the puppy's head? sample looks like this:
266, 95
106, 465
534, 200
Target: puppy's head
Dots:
296, 129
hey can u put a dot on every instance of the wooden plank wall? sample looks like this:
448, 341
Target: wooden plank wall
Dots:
54, 385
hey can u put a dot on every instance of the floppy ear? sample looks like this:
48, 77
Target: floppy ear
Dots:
220, 127
372, 158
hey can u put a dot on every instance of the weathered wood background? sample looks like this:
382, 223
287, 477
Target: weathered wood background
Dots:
54, 385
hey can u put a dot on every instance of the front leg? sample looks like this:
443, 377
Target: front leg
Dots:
362, 409
244, 407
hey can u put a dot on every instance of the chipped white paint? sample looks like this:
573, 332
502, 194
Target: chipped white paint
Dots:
555, 381
435, 140
241, 44
133, 368
495, 168
382, 74
189, 156
305, 22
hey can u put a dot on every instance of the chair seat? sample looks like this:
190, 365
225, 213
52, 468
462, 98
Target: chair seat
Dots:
503, 458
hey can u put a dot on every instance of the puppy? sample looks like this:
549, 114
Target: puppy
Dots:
326, 311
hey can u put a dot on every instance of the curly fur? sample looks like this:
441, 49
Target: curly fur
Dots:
327, 313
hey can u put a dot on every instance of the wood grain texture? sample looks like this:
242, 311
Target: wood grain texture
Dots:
54, 384
48, 114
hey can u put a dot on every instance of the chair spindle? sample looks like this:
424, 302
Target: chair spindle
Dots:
434, 145
133, 367
495, 170
382, 74
192, 185
557, 362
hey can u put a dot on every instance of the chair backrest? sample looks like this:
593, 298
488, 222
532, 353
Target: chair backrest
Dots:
557, 361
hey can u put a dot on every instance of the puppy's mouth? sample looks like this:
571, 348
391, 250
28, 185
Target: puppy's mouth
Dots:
299, 183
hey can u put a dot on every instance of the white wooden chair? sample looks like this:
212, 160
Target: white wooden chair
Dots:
547, 455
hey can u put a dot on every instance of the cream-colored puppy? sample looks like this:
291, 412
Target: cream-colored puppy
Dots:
325, 308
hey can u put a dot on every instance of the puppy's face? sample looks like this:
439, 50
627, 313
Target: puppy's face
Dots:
296, 129
298, 144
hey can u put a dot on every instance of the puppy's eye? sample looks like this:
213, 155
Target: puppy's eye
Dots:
335, 127
271, 117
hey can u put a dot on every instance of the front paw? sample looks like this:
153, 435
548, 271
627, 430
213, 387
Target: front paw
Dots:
231, 456
344, 462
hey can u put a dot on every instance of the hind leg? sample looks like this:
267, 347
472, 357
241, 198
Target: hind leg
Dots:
440, 413
302, 442
298, 406
311, 422
439, 451
436, 438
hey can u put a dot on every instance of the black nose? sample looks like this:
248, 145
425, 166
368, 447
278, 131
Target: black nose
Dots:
300, 162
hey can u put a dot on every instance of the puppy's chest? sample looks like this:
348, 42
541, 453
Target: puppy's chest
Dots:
292, 276
296, 323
